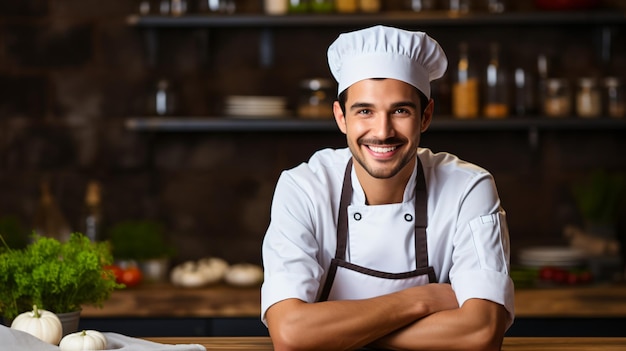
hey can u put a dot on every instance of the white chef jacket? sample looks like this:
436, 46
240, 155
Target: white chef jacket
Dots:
467, 234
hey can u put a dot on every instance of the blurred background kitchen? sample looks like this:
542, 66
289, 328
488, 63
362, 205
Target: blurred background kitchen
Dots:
181, 114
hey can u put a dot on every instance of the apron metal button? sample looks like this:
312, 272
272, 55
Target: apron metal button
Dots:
408, 217
357, 216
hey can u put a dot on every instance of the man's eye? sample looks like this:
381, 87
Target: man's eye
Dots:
401, 111
363, 112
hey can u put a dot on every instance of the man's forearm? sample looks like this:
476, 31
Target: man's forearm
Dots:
350, 324
478, 325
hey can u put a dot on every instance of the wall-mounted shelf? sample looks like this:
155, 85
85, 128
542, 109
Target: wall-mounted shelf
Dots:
441, 123
432, 18
267, 23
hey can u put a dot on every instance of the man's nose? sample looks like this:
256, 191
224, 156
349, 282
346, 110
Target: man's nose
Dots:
383, 127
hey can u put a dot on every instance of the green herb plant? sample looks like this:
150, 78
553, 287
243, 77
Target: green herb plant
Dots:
59, 277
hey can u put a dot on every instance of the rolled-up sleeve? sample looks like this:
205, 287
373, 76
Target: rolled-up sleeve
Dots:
289, 248
481, 255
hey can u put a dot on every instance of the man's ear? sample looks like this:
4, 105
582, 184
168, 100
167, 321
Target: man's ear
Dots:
427, 116
340, 118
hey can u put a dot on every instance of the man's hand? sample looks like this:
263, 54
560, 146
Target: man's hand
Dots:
477, 325
350, 324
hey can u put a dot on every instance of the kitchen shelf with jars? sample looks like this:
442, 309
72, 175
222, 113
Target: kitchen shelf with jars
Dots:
426, 18
580, 107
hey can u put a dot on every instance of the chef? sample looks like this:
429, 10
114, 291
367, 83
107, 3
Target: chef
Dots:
385, 244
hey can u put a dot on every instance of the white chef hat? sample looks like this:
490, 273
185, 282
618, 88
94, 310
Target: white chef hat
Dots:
386, 52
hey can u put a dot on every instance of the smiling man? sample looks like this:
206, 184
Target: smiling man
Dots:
385, 244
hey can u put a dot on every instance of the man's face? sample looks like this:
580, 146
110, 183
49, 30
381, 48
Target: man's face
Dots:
382, 123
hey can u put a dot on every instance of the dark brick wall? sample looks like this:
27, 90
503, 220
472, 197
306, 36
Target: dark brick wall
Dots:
71, 71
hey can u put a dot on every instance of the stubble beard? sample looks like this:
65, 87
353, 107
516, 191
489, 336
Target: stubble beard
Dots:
382, 172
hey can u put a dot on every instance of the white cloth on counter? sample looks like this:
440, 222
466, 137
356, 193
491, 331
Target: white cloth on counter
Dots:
16, 340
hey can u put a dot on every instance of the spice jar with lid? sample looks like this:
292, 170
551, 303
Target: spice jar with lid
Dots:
297, 6
588, 104
346, 6
322, 6
615, 97
369, 5
316, 99
556, 97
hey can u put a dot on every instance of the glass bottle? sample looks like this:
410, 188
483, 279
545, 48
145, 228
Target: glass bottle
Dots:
162, 100
496, 95
615, 97
524, 92
49, 219
465, 87
92, 213
588, 104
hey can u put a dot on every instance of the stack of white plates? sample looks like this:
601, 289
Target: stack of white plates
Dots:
255, 106
553, 256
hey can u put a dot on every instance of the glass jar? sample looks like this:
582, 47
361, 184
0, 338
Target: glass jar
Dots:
422, 5
615, 97
459, 6
496, 6
322, 6
295, 6
346, 6
556, 97
316, 99
588, 103
178, 7
371, 6
276, 7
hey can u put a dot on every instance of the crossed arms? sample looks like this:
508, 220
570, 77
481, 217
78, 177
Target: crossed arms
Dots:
420, 318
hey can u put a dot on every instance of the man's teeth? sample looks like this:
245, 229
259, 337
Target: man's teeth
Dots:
380, 149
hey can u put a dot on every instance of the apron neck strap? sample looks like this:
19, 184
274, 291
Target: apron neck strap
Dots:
342, 221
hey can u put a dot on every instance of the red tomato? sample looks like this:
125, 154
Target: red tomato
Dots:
547, 273
117, 272
131, 276
560, 276
572, 278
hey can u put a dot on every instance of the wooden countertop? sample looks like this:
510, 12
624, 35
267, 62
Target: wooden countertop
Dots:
574, 302
164, 300
510, 343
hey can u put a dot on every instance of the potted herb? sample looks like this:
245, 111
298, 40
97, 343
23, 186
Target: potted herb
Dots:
59, 277
143, 242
